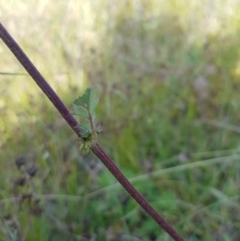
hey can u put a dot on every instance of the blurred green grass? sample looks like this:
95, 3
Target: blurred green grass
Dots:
168, 75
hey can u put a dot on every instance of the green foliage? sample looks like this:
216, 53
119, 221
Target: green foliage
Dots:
86, 104
84, 107
148, 63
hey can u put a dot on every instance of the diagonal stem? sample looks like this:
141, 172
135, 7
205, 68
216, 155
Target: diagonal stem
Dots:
96, 149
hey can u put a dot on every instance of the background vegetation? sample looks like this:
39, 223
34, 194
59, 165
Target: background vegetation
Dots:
168, 76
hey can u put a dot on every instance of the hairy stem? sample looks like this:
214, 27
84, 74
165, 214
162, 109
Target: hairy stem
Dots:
99, 152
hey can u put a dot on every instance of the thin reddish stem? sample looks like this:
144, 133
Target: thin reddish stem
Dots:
96, 149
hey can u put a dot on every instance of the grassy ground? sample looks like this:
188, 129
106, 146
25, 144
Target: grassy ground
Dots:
168, 76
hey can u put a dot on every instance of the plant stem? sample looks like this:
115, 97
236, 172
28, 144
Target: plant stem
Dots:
99, 152
92, 127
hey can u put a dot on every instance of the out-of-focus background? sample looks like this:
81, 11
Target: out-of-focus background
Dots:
168, 76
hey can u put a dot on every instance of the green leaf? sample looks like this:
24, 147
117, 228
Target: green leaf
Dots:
84, 107
88, 100
79, 111
93, 100
86, 125
85, 132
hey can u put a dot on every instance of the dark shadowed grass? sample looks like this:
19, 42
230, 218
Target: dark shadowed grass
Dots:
169, 104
